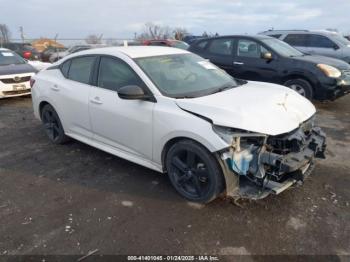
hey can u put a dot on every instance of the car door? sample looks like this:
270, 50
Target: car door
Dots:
219, 52
125, 125
322, 45
71, 95
248, 63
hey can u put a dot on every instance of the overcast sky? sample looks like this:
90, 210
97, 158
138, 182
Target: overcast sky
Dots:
121, 18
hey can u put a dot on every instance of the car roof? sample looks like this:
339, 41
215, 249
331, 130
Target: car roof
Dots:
5, 49
162, 40
259, 37
320, 32
135, 51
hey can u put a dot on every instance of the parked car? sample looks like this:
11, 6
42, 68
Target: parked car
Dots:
167, 42
189, 39
45, 55
38, 65
15, 74
267, 59
324, 43
73, 49
25, 50
172, 111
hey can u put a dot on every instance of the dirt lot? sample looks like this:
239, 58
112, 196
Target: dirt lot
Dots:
73, 198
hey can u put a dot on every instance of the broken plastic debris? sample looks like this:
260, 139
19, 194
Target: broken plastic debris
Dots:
127, 203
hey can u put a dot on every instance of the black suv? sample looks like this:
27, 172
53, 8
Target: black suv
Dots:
263, 58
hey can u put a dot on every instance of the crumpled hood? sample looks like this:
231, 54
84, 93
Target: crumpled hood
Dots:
258, 107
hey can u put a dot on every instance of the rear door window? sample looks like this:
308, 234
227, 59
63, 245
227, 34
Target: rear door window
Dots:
297, 39
80, 69
249, 48
320, 41
221, 46
202, 44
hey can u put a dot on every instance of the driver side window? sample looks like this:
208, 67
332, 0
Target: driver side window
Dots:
249, 48
115, 73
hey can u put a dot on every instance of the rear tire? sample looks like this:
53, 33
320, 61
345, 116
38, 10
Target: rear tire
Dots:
301, 86
194, 172
52, 124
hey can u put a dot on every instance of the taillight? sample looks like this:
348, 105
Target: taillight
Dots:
31, 82
27, 54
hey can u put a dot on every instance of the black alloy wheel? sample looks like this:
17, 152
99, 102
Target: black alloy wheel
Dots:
194, 172
52, 125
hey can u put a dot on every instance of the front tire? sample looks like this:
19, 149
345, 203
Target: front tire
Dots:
301, 86
194, 172
52, 124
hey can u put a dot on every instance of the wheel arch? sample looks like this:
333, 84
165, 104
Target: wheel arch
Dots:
47, 102
304, 76
41, 106
174, 140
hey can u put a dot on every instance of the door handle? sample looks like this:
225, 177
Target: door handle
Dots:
238, 63
55, 88
96, 101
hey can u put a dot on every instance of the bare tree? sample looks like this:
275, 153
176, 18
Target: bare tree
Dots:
154, 31
93, 39
179, 33
4, 33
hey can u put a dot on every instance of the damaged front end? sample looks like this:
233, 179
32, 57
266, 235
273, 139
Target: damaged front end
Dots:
256, 165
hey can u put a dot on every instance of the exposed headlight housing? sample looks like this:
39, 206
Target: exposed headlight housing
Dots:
229, 134
329, 71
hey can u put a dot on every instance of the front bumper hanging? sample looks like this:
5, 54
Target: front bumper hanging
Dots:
273, 170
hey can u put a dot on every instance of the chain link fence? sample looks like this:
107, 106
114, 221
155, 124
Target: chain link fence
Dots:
68, 42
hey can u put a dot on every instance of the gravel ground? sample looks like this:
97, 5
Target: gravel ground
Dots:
72, 199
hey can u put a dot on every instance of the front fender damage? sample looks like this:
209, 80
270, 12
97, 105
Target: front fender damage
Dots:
270, 165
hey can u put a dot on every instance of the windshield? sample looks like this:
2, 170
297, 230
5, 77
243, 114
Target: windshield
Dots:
340, 39
185, 75
281, 47
180, 44
10, 58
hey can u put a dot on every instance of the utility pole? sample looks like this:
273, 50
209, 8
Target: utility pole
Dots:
22, 33
100, 38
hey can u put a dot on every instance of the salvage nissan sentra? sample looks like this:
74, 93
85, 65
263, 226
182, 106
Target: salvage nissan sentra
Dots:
172, 111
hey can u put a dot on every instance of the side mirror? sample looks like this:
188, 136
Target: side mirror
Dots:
335, 47
267, 56
132, 92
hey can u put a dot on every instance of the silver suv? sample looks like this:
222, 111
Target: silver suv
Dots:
324, 42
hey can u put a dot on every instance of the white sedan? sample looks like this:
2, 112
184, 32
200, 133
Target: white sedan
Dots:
172, 111
15, 74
